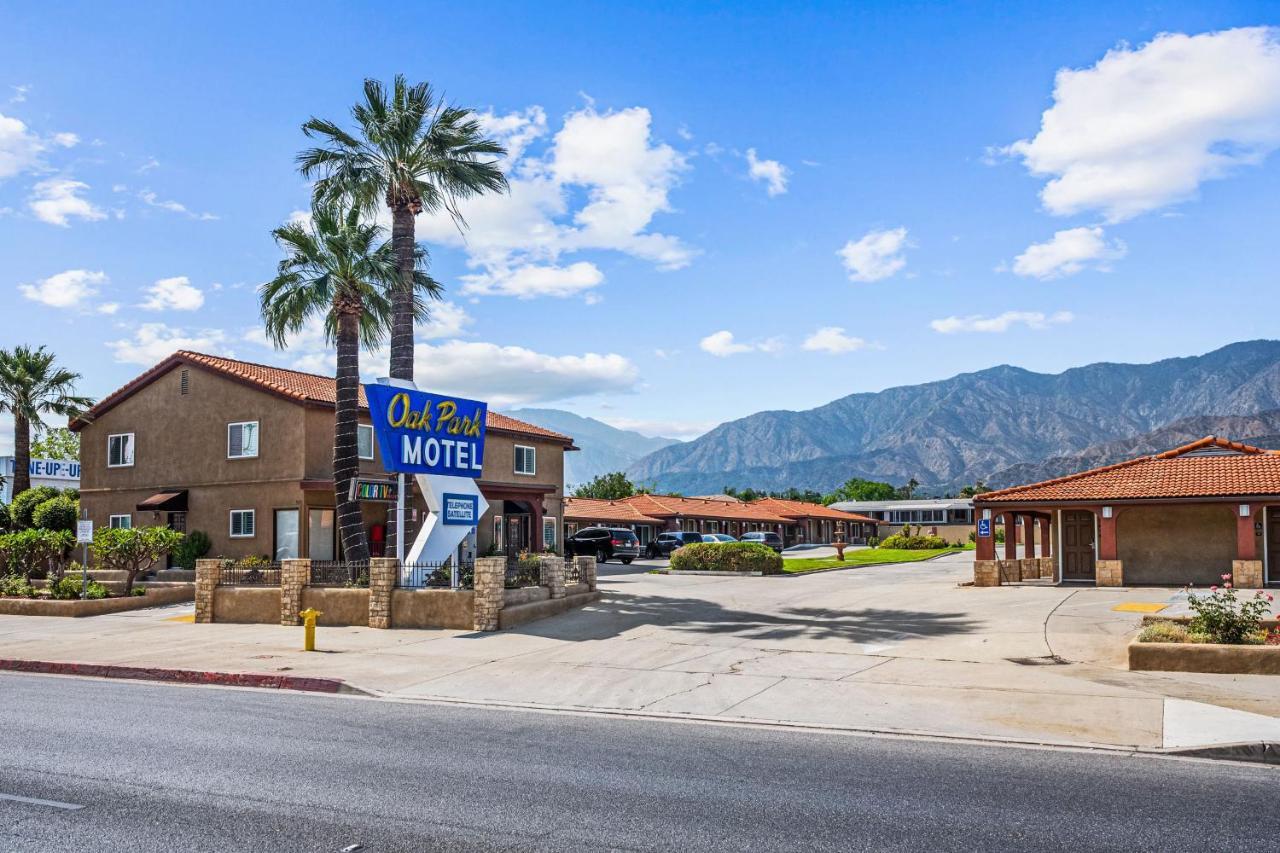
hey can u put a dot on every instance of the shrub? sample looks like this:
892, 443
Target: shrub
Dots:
727, 557
65, 589
15, 586
1165, 631
195, 546
33, 552
25, 503
97, 590
58, 513
1225, 618
6, 520
873, 541
137, 590
914, 543
132, 549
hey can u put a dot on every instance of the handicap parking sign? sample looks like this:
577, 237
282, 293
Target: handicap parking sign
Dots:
984, 527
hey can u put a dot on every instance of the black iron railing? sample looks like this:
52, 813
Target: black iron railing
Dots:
523, 570
339, 573
250, 572
436, 575
571, 573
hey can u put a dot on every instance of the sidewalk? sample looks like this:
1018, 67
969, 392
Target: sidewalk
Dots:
884, 648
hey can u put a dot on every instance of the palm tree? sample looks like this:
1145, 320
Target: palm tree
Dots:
412, 152
340, 268
32, 385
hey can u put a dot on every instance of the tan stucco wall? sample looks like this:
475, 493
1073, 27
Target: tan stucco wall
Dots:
432, 608
1174, 544
338, 606
249, 605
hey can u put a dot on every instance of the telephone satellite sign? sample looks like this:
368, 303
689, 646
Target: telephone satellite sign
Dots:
421, 433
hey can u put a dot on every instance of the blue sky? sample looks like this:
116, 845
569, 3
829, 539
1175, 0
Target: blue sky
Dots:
716, 208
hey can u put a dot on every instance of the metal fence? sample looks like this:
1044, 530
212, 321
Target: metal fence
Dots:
522, 572
436, 575
571, 573
339, 573
245, 573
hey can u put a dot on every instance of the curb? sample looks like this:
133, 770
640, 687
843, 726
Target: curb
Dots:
269, 681
1257, 752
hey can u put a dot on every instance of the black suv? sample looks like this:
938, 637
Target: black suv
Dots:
668, 542
603, 543
772, 540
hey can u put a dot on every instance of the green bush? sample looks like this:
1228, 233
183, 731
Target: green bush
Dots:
132, 549
97, 590
195, 546
65, 589
873, 541
15, 586
6, 520
913, 543
727, 557
1165, 631
1224, 618
25, 503
60, 513
31, 553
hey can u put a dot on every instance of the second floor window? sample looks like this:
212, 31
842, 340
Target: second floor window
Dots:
120, 450
526, 460
242, 440
364, 441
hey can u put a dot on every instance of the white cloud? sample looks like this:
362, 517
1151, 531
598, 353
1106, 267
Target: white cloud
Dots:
511, 375
66, 140
1001, 323
876, 255
448, 320
147, 165
153, 342
56, 200
771, 172
532, 280
832, 339
19, 94
596, 184
1068, 252
176, 294
69, 289
153, 200
1145, 126
722, 345
108, 308
683, 430
19, 147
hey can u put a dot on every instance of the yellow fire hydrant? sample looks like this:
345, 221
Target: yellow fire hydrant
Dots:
309, 628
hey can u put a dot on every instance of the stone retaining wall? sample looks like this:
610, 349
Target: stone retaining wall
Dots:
156, 596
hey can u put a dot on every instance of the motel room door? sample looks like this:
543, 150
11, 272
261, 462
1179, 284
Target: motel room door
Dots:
1273, 546
1077, 546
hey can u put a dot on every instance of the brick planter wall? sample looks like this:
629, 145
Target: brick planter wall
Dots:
489, 592
382, 581
294, 575
207, 576
551, 575
587, 571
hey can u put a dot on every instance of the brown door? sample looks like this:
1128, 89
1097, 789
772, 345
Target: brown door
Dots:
1077, 546
1273, 546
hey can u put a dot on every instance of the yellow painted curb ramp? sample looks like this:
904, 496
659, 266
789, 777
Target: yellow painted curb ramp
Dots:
1139, 607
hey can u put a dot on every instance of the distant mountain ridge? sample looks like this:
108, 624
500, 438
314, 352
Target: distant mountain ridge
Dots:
955, 431
604, 448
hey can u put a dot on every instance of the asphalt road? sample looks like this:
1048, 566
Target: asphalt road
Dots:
152, 767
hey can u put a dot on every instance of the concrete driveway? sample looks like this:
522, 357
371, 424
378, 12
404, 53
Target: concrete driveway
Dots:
887, 648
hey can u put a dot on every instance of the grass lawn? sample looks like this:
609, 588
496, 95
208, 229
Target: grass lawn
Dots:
863, 557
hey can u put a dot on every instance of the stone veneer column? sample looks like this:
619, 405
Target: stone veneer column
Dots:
551, 575
986, 573
490, 589
294, 575
1246, 574
1110, 573
587, 571
207, 576
383, 573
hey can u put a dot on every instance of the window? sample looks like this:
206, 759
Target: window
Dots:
526, 460
499, 544
364, 441
242, 524
549, 532
120, 450
242, 440
120, 522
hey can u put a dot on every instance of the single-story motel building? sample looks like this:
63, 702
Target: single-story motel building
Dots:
950, 518
244, 453
797, 522
1188, 515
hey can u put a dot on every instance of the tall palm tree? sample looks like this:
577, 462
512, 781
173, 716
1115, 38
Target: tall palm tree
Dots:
340, 268
411, 152
32, 385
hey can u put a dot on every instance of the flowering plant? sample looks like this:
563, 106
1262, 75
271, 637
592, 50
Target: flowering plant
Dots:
1225, 617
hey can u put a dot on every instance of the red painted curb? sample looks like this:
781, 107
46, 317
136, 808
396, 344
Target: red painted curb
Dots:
179, 676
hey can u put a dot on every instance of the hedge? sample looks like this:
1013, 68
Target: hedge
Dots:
727, 557
913, 543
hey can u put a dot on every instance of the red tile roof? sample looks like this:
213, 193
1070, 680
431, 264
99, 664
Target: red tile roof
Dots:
589, 509
804, 509
305, 388
654, 508
1211, 467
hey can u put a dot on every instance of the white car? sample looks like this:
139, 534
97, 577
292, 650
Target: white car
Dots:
717, 537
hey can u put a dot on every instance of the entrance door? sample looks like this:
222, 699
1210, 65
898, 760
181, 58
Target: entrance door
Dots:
517, 533
1273, 545
1077, 546
177, 521
285, 546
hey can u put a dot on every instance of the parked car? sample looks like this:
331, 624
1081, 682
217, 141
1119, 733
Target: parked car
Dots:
717, 537
773, 540
604, 543
665, 543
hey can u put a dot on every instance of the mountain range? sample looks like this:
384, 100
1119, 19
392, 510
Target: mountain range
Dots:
973, 426
603, 448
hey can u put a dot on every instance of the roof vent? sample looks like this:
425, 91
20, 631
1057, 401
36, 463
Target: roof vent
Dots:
1212, 450
184, 382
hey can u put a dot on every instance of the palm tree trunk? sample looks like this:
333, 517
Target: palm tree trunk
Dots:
21, 454
402, 239
346, 460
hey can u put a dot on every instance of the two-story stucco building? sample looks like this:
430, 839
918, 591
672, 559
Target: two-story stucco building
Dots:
244, 452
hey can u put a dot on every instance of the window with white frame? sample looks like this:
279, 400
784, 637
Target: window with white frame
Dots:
120, 450
549, 528
242, 440
364, 441
526, 460
242, 524
121, 522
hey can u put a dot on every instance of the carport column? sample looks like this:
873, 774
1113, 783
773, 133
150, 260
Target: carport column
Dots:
1110, 570
207, 576
1010, 536
294, 575
1046, 539
383, 572
551, 575
1029, 536
587, 571
1246, 569
490, 584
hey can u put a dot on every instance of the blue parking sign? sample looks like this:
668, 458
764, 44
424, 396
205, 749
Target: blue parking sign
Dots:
984, 527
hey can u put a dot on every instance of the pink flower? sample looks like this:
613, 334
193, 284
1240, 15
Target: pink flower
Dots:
1226, 577
1226, 586
1213, 588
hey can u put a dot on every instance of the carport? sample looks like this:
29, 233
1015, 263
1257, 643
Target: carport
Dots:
1188, 515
